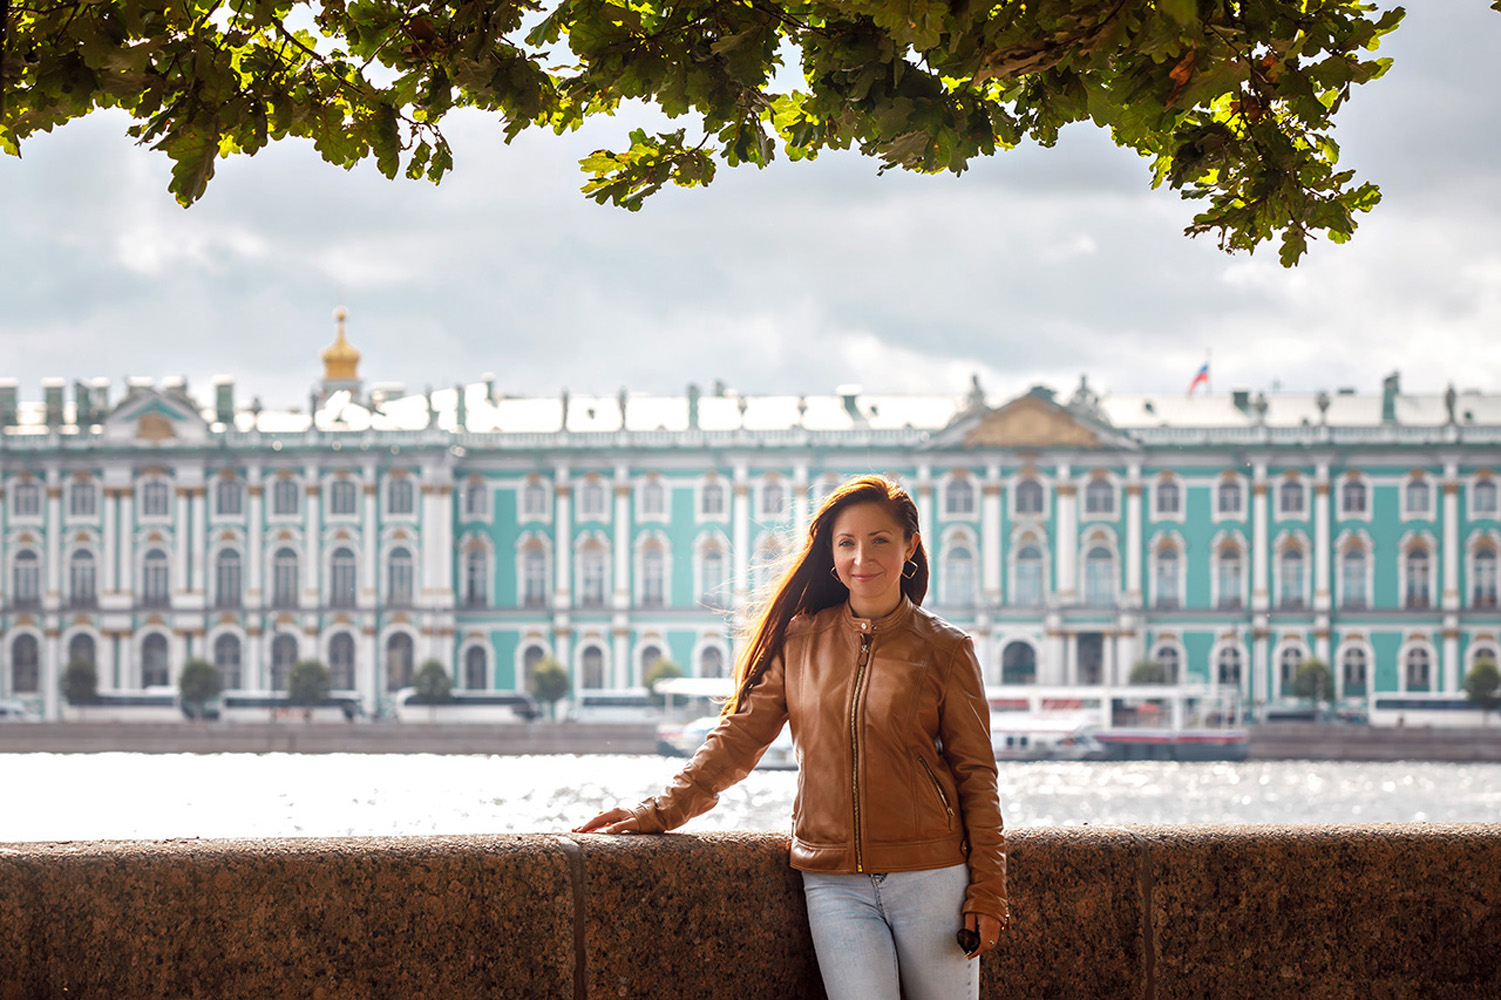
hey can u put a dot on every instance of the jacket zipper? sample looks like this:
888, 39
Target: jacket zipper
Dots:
939, 789
855, 744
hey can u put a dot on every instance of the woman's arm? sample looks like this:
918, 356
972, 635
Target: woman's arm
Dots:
964, 726
730, 752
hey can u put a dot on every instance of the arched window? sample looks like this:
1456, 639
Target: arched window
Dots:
1417, 666
1099, 498
1167, 658
712, 572
773, 499
27, 592
1292, 566
649, 656
25, 665
81, 591
154, 669
26, 498
534, 500
767, 565
284, 579
401, 495
1227, 665
343, 584
711, 499
341, 661
1483, 578
1169, 502
1289, 662
155, 582
475, 669
711, 662
83, 498
1483, 498
1169, 568
1229, 497
477, 498
1290, 497
592, 575
399, 577
399, 655
227, 661
342, 494
1353, 497
530, 657
959, 496
653, 575
1418, 497
1018, 663
592, 499
286, 497
227, 577
283, 658
229, 497
476, 578
1029, 584
959, 577
1419, 578
1352, 668
81, 649
156, 498
534, 576
1228, 577
1099, 577
1353, 591
592, 662
1029, 497
653, 498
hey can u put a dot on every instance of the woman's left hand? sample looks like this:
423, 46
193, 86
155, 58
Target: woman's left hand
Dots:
989, 929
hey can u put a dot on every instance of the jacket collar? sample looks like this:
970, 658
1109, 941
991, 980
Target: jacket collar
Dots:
902, 612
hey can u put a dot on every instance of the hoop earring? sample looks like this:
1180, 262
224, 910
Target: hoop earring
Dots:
834, 572
905, 574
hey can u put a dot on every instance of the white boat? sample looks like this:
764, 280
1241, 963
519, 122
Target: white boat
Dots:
1128, 722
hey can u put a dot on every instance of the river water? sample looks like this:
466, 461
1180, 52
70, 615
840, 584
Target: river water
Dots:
112, 796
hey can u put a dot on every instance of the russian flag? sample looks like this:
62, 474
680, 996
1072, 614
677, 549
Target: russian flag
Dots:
1202, 376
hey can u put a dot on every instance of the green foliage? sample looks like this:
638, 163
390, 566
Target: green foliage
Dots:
1233, 102
199, 684
663, 669
548, 683
80, 682
1312, 681
433, 684
308, 683
1483, 684
1148, 672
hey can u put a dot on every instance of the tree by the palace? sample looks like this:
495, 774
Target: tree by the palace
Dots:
1313, 681
548, 683
663, 670
1232, 102
1483, 685
199, 684
308, 684
80, 682
1147, 671
432, 684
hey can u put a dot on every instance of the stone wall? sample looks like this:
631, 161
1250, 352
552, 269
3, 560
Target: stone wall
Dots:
1263, 912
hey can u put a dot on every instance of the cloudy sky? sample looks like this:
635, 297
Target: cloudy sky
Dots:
1037, 265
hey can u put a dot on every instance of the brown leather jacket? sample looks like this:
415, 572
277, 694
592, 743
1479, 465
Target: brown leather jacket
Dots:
892, 728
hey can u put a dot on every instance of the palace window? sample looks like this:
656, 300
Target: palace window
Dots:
534, 500
653, 498
1291, 500
283, 657
227, 661
959, 496
592, 500
401, 496
399, 587
1418, 497
476, 669
534, 577
81, 590
227, 579
343, 582
155, 580
83, 498
26, 498
1029, 586
341, 661
1169, 502
81, 649
154, 669
1167, 658
229, 497
1289, 662
1292, 568
1099, 577
284, 583
399, 659
713, 572
530, 657
1353, 498
1419, 592
773, 499
592, 575
592, 663
711, 499
155, 498
1417, 667
342, 497
27, 592
286, 497
1228, 665
1353, 591
1029, 497
653, 576
1099, 498
476, 578
1168, 573
1228, 578
959, 577
1018, 663
1483, 578
1483, 498
1229, 498
25, 665
1352, 669
476, 498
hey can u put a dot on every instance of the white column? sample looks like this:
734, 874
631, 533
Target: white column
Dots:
181, 541
562, 542
1322, 556
1126, 651
990, 535
1451, 679
740, 540
51, 674
1050, 668
1260, 666
255, 555
109, 538
198, 564
563, 653
926, 521
620, 657
1321, 638
53, 593
254, 671
125, 569
1133, 540
1451, 541
312, 544
800, 511
621, 536
1066, 542
370, 539
1260, 544
366, 677
1070, 659
125, 669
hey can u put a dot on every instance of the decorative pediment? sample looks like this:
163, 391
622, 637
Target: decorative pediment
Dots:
1033, 422
149, 417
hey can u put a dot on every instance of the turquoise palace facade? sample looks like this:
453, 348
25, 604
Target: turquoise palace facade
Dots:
1228, 536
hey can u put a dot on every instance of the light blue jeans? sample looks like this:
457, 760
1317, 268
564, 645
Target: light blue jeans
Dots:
879, 935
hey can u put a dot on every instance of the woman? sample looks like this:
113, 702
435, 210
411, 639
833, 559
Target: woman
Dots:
897, 823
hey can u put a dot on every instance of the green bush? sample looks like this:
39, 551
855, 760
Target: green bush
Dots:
1313, 682
1483, 684
308, 683
662, 670
433, 684
1148, 672
548, 684
80, 682
199, 684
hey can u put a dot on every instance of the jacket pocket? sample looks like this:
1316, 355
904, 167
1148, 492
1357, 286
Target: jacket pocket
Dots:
943, 798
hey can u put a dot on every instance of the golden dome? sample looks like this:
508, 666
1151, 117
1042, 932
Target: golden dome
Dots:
340, 360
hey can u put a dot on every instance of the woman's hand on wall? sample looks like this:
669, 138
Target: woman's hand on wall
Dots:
989, 929
610, 821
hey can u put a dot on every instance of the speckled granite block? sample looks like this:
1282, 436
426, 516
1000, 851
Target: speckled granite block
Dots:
1076, 918
1390, 912
326, 919
705, 916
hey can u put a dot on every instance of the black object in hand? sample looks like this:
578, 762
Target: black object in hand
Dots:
968, 940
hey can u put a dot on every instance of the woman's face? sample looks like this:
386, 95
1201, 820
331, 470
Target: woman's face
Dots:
870, 549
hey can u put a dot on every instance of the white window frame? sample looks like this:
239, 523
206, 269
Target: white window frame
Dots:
333, 487
1045, 492
643, 486
1216, 557
950, 487
1406, 650
534, 500
1281, 544
1020, 541
1161, 541
1099, 537
1341, 512
1096, 480
1157, 513
1404, 547
1426, 481
1281, 513
1474, 483
1350, 539
1480, 540
594, 486
77, 489
31, 489
529, 542
1240, 516
1337, 668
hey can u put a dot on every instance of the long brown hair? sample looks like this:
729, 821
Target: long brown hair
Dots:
809, 586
